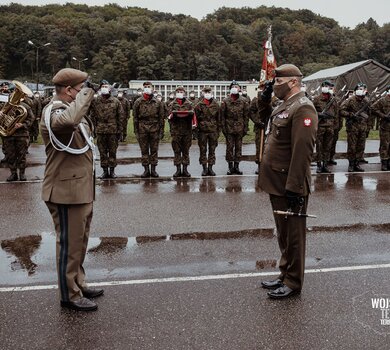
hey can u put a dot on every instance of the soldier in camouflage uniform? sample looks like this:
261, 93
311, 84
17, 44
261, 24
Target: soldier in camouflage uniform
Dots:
37, 110
208, 117
245, 96
126, 106
356, 125
234, 119
381, 109
108, 118
327, 109
194, 100
148, 115
181, 120
16, 146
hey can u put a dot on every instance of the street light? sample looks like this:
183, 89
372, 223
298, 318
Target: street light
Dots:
37, 57
79, 61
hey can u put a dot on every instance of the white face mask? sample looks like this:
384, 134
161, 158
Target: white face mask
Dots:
105, 91
37, 96
325, 90
192, 95
139, 93
234, 91
208, 95
159, 98
303, 88
179, 95
171, 97
360, 93
331, 91
120, 95
148, 91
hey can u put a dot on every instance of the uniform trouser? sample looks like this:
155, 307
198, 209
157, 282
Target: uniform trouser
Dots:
15, 150
148, 142
35, 128
124, 127
334, 143
108, 145
72, 223
257, 143
233, 147
181, 145
384, 146
324, 143
291, 233
356, 139
207, 140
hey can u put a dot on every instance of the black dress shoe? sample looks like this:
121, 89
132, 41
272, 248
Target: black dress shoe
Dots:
92, 292
283, 292
272, 284
82, 304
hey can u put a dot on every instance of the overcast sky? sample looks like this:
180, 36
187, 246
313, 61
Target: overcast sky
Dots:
348, 13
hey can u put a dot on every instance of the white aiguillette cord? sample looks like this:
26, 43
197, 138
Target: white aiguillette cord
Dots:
59, 146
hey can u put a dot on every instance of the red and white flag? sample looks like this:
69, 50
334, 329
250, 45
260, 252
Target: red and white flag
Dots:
269, 62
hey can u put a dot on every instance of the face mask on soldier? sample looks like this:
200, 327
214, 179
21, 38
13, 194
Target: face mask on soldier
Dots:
120, 95
244, 93
171, 97
139, 93
208, 95
234, 91
331, 91
360, 92
282, 90
325, 90
192, 95
159, 98
179, 95
105, 91
148, 91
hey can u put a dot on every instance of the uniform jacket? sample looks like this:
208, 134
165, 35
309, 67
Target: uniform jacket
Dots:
381, 108
68, 177
126, 106
208, 116
289, 147
180, 125
107, 115
234, 116
148, 115
259, 113
332, 111
353, 105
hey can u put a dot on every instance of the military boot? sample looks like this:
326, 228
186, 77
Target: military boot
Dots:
210, 170
237, 168
384, 165
319, 168
112, 173
351, 166
357, 167
325, 168
22, 176
178, 171
332, 162
231, 168
146, 172
13, 176
205, 171
185, 171
362, 161
153, 172
105, 174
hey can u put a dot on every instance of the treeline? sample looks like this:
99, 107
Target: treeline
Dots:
134, 43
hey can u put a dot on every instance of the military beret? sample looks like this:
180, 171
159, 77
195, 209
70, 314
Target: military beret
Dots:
180, 88
234, 83
69, 77
288, 70
207, 89
327, 83
147, 83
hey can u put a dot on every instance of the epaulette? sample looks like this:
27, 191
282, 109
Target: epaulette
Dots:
304, 100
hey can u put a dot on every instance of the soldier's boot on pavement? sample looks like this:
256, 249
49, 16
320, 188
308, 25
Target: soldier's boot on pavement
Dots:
210, 170
357, 167
146, 172
351, 166
363, 161
112, 173
178, 171
13, 176
231, 168
205, 171
22, 176
153, 172
325, 168
237, 168
105, 174
384, 166
185, 171
319, 168
332, 162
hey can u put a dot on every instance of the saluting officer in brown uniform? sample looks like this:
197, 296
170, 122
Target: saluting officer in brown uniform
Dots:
285, 175
68, 185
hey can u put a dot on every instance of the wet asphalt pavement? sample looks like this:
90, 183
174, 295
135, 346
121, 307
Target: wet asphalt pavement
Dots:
181, 262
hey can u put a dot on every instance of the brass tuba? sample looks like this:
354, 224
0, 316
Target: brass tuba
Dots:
12, 112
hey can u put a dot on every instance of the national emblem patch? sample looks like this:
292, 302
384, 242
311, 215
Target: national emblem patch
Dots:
307, 122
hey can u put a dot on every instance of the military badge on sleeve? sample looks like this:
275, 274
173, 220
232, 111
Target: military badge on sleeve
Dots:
307, 122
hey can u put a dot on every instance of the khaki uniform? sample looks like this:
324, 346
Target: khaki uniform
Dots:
68, 190
286, 167
381, 108
37, 110
148, 125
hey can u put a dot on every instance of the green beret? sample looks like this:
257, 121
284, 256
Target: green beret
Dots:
69, 77
288, 70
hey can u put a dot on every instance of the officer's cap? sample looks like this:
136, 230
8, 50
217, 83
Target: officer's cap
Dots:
69, 77
288, 70
180, 88
234, 83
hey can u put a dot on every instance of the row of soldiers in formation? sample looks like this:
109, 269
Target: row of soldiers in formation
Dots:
208, 117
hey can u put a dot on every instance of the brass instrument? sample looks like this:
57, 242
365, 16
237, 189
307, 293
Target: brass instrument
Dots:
12, 112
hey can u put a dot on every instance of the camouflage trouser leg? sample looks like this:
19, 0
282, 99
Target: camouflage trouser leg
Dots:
181, 147
356, 139
124, 128
323, 143
233, 147
108, 145
35, 128
334, 143
15, 149
148, 142
384, 147
257, 143
207, 140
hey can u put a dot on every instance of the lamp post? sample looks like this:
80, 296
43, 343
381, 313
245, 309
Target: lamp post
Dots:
79, 61
37, 58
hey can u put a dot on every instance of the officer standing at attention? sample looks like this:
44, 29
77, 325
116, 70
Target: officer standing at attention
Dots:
68, 185
285, 175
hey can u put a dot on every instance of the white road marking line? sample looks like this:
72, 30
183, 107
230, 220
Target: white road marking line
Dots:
197, 278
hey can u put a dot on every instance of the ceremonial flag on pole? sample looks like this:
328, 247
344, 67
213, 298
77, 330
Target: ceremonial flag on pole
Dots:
269, 62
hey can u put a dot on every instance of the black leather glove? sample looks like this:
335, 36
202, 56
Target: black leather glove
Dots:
260, 125
267, 92
89, 84
294, 200
119, 137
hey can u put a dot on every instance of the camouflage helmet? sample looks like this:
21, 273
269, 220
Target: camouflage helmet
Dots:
234, 83
327, 83
104, 82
